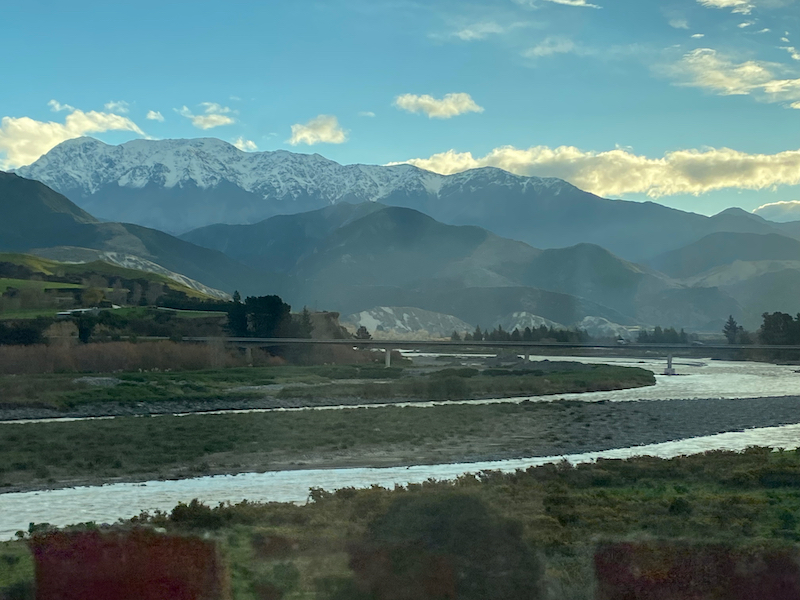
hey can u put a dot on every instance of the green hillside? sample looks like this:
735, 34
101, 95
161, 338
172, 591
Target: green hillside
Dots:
36, 217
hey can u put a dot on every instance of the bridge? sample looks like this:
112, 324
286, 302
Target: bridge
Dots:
523, 347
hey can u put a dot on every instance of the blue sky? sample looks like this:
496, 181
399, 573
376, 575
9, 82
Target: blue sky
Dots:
686, 102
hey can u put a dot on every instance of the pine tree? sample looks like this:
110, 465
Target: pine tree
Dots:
731, 330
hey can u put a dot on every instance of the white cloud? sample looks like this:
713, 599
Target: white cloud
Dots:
214, 115
23, 140
697, 36
154, 115
743, 7
321, 129
781, 212
582, 3
551, 46
620, 171
366, 113
679, 23
56, 106
745, 24
793, 52
479, 31
708, 69
117, 106
451, 105
245, 145
214, 108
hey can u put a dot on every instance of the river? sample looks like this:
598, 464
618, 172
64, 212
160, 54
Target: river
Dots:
697, 378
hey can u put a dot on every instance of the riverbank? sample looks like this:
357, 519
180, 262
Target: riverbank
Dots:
739, 502
29, 397
63, 454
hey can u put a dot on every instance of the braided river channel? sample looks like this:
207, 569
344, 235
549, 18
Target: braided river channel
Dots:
696, 379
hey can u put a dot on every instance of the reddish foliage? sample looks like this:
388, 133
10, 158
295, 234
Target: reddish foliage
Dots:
135, 565
676, 571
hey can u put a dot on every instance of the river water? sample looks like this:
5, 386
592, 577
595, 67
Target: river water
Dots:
696, 378
106, 504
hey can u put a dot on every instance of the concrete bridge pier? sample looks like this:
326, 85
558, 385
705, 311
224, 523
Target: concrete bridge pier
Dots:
669, 370
388, 357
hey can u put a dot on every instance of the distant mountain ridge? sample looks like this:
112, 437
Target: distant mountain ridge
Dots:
36, 217
179, 185
363, 256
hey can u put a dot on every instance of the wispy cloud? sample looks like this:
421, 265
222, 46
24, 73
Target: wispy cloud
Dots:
743, 7
793, 52
620, 171
56, 106
551, 46
706, 68
697, 36
781, 212
214, 115
537, 3
478, 31
245, 145
366, 113
451, 105
117, 106
679, 23
154, 115
321, 129
23, 140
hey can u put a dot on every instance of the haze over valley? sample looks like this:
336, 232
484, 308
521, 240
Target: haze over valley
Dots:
479, 247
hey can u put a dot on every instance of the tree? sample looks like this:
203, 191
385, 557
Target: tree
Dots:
267, 315
780, 329
455, 337
362, 334
478, 335
305, 327
86, 326
237, 317
732, 330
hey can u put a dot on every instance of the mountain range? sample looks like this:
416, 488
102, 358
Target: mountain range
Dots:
420, 247
179, 185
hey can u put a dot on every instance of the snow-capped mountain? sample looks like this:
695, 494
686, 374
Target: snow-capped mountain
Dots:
177, 185
180, 185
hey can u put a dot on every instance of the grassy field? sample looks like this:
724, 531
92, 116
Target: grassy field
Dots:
27, 313
42, 454
32, 284
312, 385
747, 500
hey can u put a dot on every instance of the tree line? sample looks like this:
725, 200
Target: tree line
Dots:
777, 329
536, 334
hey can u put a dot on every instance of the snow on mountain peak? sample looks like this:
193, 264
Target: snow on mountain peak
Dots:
83, 166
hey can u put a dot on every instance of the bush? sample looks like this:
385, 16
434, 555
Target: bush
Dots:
446, 545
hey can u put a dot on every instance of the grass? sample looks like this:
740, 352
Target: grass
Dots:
27, 313
32, 284
745, 500
306, 384
98, 267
